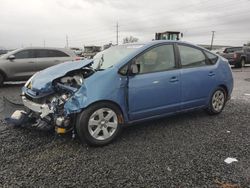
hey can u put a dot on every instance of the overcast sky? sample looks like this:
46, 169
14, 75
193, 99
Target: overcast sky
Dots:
87, 22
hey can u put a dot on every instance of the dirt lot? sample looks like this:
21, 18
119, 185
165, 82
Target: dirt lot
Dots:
187, 150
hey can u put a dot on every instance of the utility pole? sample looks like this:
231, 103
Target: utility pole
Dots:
212, 41
67, 41
117, 27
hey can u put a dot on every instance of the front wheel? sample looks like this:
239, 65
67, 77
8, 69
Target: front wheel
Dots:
99, 124
217, 101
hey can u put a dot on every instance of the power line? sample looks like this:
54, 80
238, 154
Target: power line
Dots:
117, 27
67, 41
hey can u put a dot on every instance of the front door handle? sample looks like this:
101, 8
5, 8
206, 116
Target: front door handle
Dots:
211, 73
174, 79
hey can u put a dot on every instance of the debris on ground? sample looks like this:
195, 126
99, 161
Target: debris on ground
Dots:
230, 160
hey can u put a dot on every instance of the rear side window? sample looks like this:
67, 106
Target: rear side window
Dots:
57, 53
42, 53
212, 59
191, 57
24, 54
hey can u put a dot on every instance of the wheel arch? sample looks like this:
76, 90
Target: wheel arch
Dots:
225, 88
3, 73
243, 57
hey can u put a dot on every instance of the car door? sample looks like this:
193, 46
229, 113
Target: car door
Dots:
197, 77
23, 65
155, 89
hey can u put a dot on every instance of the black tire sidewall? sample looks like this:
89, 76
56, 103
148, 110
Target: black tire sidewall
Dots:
1, 79
211, 108
241, 62
82, 124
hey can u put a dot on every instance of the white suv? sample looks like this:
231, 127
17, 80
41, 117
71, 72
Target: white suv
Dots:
20, 64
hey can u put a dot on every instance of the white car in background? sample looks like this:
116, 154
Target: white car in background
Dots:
20, 64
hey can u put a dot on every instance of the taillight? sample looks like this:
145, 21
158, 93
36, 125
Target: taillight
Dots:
78, 58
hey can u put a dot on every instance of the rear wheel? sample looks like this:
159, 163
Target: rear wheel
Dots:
1, 80
217, 101
242, 62
237, 65
99, 124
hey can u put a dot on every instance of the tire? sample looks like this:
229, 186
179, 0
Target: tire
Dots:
217, 101
1, 80
242, 62
99, 124
237, 65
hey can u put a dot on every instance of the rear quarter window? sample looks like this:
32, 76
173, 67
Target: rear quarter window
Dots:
191, 57
212, 59
57, 53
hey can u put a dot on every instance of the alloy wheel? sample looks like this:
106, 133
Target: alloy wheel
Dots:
218, 100
102, 124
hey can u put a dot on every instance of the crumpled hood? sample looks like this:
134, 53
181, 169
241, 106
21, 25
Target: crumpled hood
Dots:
42, 81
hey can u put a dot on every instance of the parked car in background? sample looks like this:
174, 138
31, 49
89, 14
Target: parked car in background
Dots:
78, 51
90, 51
241, 58
229, 54
2, 52
123, 85
22, 63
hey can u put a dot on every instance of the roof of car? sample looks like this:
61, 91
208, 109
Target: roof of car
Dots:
155, 42
46, 48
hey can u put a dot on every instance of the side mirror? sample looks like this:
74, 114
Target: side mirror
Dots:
11, 57
134, 69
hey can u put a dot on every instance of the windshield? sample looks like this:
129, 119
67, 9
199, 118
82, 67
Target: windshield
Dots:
113, 55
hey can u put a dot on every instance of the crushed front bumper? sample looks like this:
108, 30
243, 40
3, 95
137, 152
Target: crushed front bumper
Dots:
42, 109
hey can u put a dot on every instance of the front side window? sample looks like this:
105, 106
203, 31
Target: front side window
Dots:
25, 54
191, 57
160, 58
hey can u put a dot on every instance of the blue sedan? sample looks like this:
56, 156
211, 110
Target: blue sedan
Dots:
123, 85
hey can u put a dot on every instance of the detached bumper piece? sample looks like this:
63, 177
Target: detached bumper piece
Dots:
18, 118
21, 118
44, 117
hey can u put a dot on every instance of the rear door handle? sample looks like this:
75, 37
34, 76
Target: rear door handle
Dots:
174, 79
211, 73
31, 62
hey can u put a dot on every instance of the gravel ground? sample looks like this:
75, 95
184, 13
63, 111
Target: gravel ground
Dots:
186, 150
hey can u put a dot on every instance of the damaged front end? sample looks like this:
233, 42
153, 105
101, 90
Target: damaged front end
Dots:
46, 94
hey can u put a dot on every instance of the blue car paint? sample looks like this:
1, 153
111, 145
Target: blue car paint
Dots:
42, 81
106, 85
145, 96
165, 97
